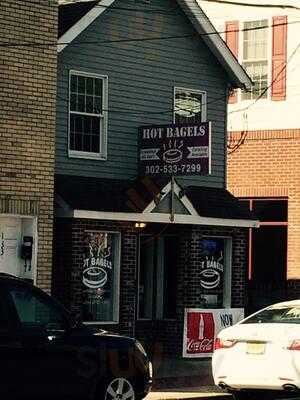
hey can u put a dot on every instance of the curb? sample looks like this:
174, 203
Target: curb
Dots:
185, 395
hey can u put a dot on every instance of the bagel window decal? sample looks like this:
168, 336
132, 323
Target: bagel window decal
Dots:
212, 263
99, 275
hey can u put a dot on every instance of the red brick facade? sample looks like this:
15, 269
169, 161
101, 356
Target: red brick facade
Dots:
27, 123
267, 165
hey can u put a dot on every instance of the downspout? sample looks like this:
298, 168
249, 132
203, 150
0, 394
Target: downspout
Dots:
226, 135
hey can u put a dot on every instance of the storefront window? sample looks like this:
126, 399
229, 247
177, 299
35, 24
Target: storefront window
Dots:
215, 271
100, 276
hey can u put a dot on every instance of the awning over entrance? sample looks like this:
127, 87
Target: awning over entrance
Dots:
147, 200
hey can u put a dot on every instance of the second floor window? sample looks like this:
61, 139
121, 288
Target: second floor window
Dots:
189, 106
88, 115
255, 57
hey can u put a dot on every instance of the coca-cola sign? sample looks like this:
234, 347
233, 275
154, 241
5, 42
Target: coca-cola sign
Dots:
201, 327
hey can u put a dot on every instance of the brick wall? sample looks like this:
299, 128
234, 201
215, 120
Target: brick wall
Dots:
267, 165
164, 338
160, 337
68, 264
27, 118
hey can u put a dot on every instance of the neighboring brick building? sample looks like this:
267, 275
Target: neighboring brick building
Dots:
265, 170
264, 142
27, 132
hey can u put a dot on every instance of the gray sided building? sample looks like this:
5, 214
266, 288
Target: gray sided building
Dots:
133, 252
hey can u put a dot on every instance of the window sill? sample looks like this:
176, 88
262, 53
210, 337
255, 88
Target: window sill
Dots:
87, 156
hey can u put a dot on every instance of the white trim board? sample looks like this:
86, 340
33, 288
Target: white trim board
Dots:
165, 191
82, 24
163, 218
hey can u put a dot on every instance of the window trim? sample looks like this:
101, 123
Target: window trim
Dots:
116, 305
228, 248
269, 57
103, 118
250, 201
202, 92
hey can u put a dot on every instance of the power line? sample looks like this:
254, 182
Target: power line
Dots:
244, 133
143, 39
129, 111
171, 9
244, 4
163, 11
270, 85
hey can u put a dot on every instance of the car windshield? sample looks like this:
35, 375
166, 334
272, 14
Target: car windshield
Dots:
279, 314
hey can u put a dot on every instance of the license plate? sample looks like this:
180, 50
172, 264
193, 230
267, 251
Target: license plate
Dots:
255, 348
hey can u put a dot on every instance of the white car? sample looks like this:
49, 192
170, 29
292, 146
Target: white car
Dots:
260, 352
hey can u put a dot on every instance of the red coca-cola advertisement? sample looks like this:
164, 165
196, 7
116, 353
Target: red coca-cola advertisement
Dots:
200, 333
201, 327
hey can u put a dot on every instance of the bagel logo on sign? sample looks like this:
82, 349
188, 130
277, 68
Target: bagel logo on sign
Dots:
210, 278
211, 263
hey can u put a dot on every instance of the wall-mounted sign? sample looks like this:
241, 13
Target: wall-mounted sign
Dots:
211, 263
201, 327
175, 149
17, 245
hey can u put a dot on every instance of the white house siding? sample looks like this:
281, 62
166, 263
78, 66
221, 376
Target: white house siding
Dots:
265, 114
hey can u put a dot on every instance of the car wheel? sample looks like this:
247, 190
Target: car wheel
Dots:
119, 389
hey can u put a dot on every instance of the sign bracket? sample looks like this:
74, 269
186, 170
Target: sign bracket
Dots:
172, 216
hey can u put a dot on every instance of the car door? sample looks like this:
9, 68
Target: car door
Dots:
43, 328
10, 350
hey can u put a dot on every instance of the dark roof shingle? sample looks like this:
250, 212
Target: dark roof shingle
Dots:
217, 203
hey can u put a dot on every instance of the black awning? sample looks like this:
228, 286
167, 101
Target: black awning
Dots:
217, 203
133, 196
108, 195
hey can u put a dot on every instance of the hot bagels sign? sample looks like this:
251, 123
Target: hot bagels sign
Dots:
201, 327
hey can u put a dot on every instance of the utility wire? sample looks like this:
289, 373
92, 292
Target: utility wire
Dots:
270, 85
245, 4
129, 111
171, 9
244, 133
143, 39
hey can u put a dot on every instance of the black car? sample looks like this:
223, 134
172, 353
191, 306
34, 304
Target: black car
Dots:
44, 352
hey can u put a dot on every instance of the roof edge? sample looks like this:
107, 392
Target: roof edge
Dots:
82, 24
216, 44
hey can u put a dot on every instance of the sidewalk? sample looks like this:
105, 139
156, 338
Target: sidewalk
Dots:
186, 394
183, 379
